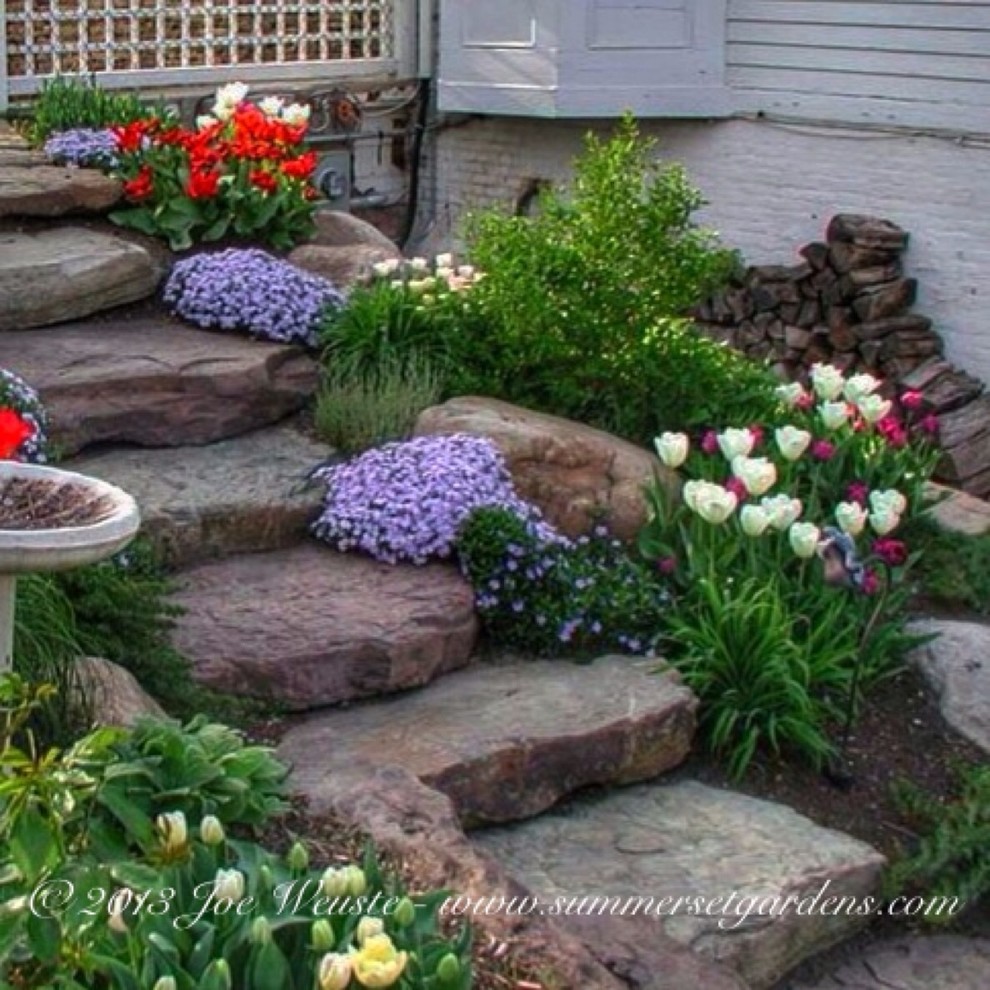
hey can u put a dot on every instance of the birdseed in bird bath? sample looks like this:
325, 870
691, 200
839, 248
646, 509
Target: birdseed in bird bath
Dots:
40, 503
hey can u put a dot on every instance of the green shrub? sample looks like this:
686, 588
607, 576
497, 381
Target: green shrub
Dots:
954, 569
94, 891
952, 859
65, 103
546, 596
580, 308
360, 408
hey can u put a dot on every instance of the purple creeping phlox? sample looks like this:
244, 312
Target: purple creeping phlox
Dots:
82, 146
247, 289
406, 501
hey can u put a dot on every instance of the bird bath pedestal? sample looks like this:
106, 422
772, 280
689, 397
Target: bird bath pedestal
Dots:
54, 520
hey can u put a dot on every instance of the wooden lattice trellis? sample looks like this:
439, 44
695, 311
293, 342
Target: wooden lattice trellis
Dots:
167, 42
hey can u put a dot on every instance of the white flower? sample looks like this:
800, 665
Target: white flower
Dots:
851, 517
296, 114
223, 112
735, 443
873, 408
827, 381
385, 268
419, 264
790, 394
446, 273
792, 442
891, 499
804, 538
712, 502
444, 261
756, 473
115, 910
466, 271
230, 96
229, 885
173, 830
833, 414
334, 882
859, 387
417, 286
672, 448
211, 830
754, 520
271, 106
884, 521
335, 971
205, 120
782, 509
367, 928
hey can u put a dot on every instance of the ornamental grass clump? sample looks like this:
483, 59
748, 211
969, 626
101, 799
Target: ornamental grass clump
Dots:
23, 421
83, 147
406, 501
247, 289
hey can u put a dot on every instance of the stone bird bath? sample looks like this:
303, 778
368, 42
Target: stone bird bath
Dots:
54, 520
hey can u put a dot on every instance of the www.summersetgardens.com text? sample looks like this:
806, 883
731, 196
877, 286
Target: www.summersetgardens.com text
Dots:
733, 911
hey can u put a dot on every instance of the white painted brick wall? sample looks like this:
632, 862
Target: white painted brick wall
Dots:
771, 188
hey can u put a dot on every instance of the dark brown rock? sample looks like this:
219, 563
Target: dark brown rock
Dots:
310, 627
578, 476
843, 338
867, 232
845, 256
886, 299
944, 387
816, 254
66, 273
740, 303
241, 495
156, 383
962, 425
923, 345
506, 741
32, 190
809, 314
797, 338
908, 323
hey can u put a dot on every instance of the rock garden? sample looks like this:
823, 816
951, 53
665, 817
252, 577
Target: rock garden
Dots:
581, 611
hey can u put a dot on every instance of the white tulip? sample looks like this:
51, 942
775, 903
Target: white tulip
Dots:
296, 114
672, 448
712, 502
754, 520
792, 442
873, 408
756, 473
231, 95
851, 517
783, 510
444, 261
859, 387
367, 928
229, 885
205, 120
833, 414
271, 106
827, 381
419, 264
804, 539
735, 443
890, 499
884, 521
790, 394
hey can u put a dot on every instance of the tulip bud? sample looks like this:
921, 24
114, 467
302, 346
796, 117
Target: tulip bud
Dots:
804, 538
334, 972
298, 857
261, 931
833, 414
368, 928
164, 983
334, 883
405, 913
115, 911
851, 517
827, 381
792, 442
449, 969
357, 882
672, 449
174, 833
321, 935
754, 520
211, 830
229, 885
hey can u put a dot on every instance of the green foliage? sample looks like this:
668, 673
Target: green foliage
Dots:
357, 408
580, 308
544, 596
94, 891
740, 651
952, 860
954, 568
65, 103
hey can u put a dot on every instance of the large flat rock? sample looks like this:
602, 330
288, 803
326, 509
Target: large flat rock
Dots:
721, 853
506, 741
234, 496
310, 627
908, 962
66, 273
156, 383
956, 665
32, 187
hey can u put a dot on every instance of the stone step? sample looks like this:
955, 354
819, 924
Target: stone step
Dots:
66, 273
235, 496
309, 627
506, 741
156, 383
720, 852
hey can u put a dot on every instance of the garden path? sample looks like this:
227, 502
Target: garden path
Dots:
219, 472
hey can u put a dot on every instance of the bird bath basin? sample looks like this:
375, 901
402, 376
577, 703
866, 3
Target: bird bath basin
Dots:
54, 520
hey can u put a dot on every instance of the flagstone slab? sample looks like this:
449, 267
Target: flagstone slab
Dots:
309, 627
715, 855
240, 495
505, 741
29, 189
156, 383
66, 273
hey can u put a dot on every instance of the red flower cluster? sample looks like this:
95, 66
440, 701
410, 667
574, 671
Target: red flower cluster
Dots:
141, 186
14, 430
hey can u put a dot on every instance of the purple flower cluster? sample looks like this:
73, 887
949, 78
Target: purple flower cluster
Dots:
407, 500
16, 394
247, 289
82, 146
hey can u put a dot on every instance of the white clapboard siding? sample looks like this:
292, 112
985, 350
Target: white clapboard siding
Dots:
900, 62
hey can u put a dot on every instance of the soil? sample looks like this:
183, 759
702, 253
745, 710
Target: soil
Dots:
41, 504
